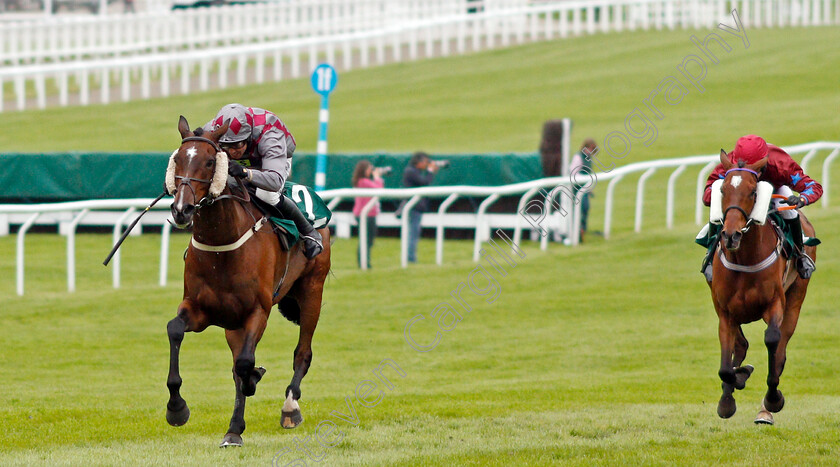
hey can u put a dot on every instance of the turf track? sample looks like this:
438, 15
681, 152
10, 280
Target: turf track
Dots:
602, 354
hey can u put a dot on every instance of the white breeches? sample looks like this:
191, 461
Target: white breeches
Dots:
786, 192
270, 197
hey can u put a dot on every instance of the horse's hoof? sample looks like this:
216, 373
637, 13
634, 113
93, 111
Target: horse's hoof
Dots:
291, 419
777, 405
764, 418
742, 374
726, 406
178, 417
231, 439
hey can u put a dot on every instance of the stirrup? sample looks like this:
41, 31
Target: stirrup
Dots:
805, 266
313, 246
707, 271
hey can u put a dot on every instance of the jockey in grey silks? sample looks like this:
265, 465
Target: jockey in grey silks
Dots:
262, 147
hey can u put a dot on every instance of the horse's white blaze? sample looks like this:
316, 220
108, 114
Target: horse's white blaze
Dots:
736, 180
191, 152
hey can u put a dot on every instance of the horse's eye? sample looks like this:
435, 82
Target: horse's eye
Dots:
210, 163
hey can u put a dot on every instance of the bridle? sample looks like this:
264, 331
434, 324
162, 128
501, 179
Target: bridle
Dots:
767, 262
747, 217
207, 199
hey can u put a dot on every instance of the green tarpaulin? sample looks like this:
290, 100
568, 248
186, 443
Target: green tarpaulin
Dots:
75, 176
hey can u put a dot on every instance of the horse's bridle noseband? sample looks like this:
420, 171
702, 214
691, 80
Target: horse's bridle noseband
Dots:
739, 208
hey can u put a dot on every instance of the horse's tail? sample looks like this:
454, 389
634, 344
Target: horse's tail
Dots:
290, 308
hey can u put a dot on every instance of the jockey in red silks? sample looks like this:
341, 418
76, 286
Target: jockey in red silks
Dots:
784, 174
262, 146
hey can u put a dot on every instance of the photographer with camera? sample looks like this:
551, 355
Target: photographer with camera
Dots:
365, 175
420, 172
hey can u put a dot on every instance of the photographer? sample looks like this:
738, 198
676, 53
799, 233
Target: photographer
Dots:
365, 175
581, 163
420, 172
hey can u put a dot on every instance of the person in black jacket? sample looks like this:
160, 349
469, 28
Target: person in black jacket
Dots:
420, 172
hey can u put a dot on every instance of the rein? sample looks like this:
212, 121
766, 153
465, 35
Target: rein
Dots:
758, 267
209, 200
747, 217
767, 262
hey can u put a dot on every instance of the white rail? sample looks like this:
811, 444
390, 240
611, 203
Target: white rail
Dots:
144, 52
61, 38
481, 222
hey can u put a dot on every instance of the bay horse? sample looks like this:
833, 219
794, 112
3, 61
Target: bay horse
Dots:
231, 274
752, 280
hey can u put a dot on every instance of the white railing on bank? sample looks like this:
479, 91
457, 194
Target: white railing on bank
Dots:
481, 222
381, 35
61, 38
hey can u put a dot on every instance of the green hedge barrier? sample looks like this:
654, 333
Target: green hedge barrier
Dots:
75, 176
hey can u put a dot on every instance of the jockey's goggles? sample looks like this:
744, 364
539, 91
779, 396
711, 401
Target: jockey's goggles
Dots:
236, 145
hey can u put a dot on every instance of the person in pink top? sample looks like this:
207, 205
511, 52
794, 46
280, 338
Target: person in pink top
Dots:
365, 175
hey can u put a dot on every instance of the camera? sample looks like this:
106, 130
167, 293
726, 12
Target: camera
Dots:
442, 164
385, 170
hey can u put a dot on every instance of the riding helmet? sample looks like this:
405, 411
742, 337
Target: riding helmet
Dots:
750, 149
241, 123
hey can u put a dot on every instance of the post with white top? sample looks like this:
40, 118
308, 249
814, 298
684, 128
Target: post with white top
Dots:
324, 79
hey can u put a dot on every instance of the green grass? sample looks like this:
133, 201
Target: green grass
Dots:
782, 87
604, 354
601, 354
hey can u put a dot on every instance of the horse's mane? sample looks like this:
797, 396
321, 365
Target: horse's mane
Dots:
741, 163
198, 131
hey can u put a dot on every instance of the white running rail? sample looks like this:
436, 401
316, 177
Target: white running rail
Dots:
120, 210
152, 55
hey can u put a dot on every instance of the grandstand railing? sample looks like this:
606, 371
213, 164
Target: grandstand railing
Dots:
548, 193
201, 44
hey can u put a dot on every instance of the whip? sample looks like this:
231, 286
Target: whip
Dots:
128, 230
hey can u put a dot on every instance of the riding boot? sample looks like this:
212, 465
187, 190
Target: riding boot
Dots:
805, 266
311, 238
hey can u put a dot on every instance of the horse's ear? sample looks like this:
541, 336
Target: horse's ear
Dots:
184, 127
759, 166
220, 131
724, 160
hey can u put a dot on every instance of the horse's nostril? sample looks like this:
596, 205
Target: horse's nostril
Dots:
188, 209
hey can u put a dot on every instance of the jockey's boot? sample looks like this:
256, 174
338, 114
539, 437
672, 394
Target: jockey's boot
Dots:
713, 232
805, 266
311, 238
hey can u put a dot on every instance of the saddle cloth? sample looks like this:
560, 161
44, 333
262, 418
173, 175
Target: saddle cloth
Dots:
309, 203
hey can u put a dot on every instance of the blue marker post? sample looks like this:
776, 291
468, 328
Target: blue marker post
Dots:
324, 79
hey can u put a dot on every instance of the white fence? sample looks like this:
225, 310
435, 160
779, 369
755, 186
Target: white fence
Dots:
74, 213
58, 39
151, 54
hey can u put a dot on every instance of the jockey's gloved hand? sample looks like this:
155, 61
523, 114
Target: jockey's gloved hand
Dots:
794, 200
236, 170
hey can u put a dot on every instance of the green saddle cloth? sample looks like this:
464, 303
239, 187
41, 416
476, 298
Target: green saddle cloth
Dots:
713, 232
310, 204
